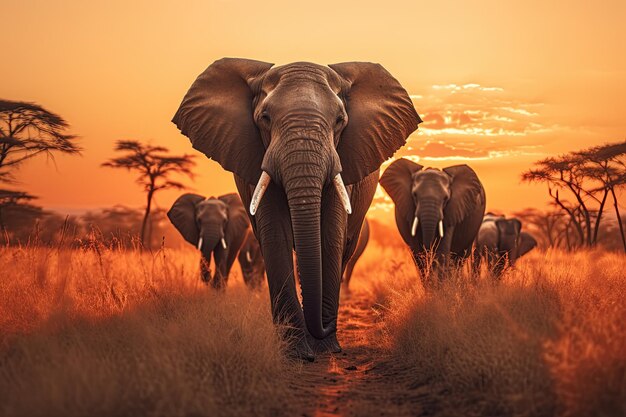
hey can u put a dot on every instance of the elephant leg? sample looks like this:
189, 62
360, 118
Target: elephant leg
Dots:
497, 262
443, 262
348, 275
422, 264
205, 268
273, 230
347, 261
476, 262
220, 278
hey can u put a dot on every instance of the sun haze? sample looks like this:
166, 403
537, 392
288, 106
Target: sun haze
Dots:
499, 85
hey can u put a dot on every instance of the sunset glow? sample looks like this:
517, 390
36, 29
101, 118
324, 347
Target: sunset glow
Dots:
497, 89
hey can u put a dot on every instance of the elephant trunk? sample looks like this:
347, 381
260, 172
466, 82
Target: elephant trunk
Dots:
429, 214
303, 179
211, 236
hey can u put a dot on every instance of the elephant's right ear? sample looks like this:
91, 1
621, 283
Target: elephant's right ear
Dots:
183, 216
381, 117
216, 114
397, 181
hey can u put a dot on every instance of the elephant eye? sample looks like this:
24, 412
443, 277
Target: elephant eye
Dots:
265, 117
340, 119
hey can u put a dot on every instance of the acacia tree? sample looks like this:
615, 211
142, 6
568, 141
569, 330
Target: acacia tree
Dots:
154, 166
607, 163
588, 177
27, 130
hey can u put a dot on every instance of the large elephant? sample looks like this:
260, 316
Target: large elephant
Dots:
251, 261
216, 226
305, 143
364, 238
500, 242
438, 210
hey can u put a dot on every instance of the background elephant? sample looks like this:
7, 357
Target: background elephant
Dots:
364, 238
305, 143
500, 242
439, 210
251, 261
216, 226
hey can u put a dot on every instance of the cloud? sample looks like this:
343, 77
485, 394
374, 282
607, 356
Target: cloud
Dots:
471, 86
475, 110
434, 150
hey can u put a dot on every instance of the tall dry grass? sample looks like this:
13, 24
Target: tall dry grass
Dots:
549, 339
105, 332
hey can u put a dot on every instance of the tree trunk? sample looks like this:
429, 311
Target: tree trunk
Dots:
600, 210
619, 219
146, 216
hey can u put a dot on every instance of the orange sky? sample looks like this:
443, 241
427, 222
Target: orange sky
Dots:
499, 85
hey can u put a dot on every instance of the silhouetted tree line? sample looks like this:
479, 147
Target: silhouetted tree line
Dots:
580, 185
554, 229
117, 226
28, 130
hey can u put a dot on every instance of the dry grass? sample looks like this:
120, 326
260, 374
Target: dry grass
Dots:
550, 339
102, 332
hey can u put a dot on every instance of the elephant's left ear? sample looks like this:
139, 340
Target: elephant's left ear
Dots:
526, 244
381, 117
466, 193
238, 221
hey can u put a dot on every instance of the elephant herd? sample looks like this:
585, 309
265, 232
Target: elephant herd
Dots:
305, 143
219, 228
441, 217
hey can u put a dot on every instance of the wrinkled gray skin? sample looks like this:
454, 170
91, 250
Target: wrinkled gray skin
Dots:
251, 261
364, 238
500, 242
453, 195
301, 124
212, 219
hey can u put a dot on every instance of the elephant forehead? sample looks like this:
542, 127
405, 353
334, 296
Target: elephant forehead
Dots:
212, 205
431, 175
302, 72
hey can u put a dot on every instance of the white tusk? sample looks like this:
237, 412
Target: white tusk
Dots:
224, 244
261, 186
343, 193
416, 221
440, 228
248, 257
200, 243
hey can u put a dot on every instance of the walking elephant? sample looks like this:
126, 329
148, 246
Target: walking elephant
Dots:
251, 261
436, 210
305, 143
364, 238
500, 242
216, 226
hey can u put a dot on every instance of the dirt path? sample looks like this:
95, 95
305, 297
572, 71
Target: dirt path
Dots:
363, 380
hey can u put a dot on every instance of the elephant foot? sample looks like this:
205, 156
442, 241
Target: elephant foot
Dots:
300, 350
329, 344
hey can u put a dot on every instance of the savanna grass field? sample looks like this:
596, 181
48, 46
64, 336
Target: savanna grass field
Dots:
101, 331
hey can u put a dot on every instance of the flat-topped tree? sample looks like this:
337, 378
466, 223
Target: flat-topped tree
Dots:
589, 176
28, 130
154, 166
